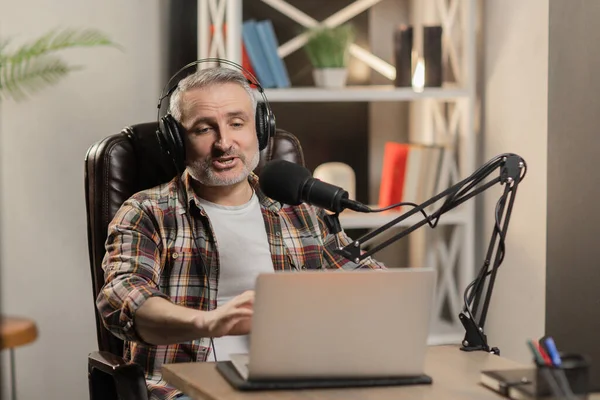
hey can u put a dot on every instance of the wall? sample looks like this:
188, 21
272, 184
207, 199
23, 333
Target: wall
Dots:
44, 259
572, 313
515, 120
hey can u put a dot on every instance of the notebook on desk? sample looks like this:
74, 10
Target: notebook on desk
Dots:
336, 329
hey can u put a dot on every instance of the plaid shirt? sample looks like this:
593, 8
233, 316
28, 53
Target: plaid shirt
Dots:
150, 252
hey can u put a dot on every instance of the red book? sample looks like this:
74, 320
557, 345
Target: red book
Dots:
393, 173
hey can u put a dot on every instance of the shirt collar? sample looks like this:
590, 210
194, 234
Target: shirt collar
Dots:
193, 199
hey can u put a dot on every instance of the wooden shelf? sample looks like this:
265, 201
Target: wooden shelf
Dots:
355, 220
362, 93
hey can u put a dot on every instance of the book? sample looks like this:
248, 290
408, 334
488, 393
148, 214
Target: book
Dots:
393, 173
257, 55
411, 173
501, 381
266, 33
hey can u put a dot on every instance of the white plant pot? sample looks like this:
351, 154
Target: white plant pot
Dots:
330, 77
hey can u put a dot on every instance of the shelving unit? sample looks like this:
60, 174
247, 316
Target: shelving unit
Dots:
362, 93
355, 220
449, 112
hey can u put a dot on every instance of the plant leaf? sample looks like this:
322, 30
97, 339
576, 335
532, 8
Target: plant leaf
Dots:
61, 39
328, 47
19, 80
3, 44
33, 66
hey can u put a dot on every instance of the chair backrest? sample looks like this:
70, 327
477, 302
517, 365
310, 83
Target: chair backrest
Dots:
122, 164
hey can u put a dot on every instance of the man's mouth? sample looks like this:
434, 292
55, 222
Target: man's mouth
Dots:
223, 162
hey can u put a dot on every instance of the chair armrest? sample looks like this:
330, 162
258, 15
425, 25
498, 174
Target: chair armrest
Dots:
111, 377
106, 362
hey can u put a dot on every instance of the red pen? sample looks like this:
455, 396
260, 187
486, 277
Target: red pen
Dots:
544, 354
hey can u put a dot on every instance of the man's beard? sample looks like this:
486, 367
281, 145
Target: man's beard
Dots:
202, 171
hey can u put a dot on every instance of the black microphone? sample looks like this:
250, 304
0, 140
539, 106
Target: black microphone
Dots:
292, 184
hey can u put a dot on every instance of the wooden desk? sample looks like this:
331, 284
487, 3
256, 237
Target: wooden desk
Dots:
455, 376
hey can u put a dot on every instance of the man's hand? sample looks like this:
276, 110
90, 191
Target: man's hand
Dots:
158, 321
232, 318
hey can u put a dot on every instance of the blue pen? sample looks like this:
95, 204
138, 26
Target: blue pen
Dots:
553, 352
557, 362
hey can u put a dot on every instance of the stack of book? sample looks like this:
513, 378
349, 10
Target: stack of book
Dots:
412, 173
261, 45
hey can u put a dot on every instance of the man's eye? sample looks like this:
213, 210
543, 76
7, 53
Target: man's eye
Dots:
202, 130
237, 124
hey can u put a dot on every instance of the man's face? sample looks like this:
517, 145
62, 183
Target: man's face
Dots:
222, 147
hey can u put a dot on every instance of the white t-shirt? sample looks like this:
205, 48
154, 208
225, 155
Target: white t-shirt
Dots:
244, 253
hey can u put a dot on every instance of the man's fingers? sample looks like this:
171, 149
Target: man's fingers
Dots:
237, 322
247, 295
239, 313
242, 327
235, 313
244, 299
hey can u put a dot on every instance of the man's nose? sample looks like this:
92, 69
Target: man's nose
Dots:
224, 140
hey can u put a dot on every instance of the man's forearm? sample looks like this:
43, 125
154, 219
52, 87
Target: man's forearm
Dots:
158, 322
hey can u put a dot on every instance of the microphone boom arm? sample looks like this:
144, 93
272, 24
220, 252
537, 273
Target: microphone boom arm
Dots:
512, 169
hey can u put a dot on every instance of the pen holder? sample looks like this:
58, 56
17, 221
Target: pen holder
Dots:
574, 370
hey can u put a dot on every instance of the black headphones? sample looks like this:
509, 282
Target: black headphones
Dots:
170, 133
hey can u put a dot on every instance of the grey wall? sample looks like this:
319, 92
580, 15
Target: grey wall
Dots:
515, 106
573, 270
44, 259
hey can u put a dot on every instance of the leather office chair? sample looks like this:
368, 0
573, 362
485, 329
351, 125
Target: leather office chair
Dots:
116, 167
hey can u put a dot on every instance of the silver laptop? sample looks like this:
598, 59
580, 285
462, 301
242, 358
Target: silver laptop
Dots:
339, 324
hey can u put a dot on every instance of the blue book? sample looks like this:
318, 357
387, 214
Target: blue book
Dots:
267, 36
257, 55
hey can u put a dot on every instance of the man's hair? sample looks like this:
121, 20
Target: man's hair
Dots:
205, 78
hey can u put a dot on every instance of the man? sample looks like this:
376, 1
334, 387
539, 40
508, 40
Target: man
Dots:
182, 258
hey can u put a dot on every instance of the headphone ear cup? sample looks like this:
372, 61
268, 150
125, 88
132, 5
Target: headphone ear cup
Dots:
171, 139
265, 125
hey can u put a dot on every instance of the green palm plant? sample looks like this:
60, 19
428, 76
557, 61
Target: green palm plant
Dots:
33, 66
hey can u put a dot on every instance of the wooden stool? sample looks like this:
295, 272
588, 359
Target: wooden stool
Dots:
15, 332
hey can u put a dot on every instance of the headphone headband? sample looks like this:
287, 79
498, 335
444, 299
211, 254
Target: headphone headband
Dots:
254, 80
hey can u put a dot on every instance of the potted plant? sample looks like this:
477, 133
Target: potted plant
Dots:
327, 50
30, 67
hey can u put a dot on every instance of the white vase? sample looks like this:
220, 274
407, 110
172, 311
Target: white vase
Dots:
330, 77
